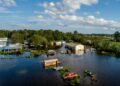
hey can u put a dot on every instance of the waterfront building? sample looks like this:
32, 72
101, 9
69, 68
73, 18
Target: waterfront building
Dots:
3, 42
12, 47
75, 48
58, 43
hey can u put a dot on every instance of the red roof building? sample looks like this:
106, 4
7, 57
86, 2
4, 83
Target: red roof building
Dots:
70, 75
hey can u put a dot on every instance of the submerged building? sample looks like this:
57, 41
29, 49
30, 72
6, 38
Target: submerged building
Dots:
75, 48
6, 46
12, 47
51, 62
59, 43
3, 42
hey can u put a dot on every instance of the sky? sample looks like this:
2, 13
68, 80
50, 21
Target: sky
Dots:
85, 16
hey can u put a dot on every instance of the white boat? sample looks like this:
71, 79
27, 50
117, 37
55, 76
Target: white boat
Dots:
58, 68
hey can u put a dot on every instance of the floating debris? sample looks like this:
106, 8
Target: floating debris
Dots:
58, 68
94, 78
90, 74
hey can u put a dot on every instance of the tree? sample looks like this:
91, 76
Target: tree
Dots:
17, 37
39, 41
58, 35
3, 33
117, 36
75, 32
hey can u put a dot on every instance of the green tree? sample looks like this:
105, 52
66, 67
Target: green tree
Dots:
17, 37
75, 32
39, 42
58, 35
117, 36
3, 33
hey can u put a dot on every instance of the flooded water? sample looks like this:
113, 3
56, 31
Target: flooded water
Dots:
20, 71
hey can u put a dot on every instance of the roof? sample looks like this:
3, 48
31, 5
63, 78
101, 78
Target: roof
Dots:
3, 39
13, 46
73, 44
70, 75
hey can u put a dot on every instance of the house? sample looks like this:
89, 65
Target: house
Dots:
26, 44
58, 43
75, 48
3, 42
12, 47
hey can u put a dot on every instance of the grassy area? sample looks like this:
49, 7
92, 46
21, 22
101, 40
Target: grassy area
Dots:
116, 44
12, 53
63, 71
37, 52
108, 47
20, 52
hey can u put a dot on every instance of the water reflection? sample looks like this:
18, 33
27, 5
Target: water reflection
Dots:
8, 64
22, 72
80, 53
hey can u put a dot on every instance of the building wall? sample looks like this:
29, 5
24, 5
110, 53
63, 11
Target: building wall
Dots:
59, 43
3, 42
51, 62
75, 48
79, 48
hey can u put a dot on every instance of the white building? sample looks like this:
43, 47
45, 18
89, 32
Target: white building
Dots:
3, 42
75, 48
58, 43
12, 47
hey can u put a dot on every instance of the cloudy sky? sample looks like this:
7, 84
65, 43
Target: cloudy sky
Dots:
85, 16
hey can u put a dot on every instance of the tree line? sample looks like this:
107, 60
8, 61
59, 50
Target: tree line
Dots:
41, 38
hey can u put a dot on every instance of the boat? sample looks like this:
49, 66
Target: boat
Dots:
94, 78
87, 73
70, 78
58, 68
90, 74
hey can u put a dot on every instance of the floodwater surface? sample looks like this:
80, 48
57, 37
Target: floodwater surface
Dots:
20, 71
